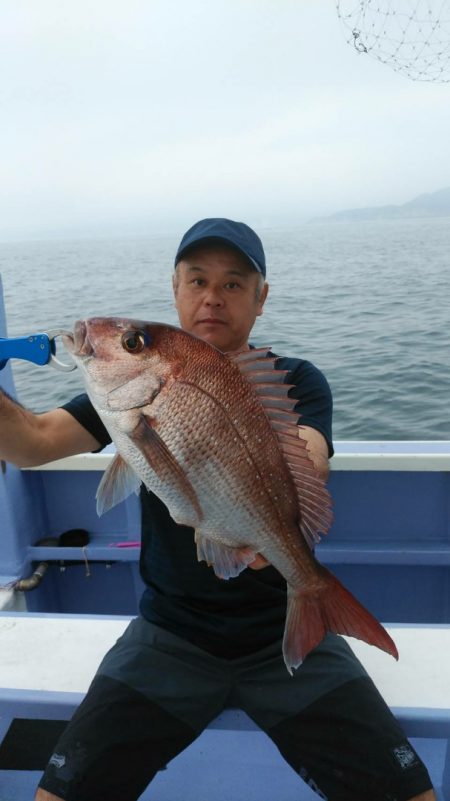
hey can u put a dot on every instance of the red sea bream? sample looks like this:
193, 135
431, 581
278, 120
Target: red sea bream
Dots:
215, 437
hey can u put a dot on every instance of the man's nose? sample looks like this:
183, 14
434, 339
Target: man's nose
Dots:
213, 297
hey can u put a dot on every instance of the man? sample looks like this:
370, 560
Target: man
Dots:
201, 643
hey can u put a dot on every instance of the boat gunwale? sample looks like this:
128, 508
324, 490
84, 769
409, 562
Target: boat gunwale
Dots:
356, 455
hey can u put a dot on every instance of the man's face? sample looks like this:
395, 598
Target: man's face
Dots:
218, 296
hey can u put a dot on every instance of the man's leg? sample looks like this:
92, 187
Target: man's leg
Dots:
332, 726
152, 696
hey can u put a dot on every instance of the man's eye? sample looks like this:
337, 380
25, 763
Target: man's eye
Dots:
134, 341
232, 285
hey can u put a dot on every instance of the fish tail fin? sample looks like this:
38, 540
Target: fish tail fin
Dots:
333, 609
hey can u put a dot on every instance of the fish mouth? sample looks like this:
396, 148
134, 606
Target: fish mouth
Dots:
78, 343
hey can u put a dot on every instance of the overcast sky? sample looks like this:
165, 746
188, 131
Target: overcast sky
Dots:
144, 115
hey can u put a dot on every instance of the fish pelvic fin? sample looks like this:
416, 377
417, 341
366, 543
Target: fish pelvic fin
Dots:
118, 482
310, 615
226, 562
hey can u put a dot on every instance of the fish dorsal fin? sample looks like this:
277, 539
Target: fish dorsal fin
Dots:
314, 501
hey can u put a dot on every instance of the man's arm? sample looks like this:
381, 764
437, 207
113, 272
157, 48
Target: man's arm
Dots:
317, 447
28, 439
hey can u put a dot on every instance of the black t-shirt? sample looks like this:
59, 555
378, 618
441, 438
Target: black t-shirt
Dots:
227, 618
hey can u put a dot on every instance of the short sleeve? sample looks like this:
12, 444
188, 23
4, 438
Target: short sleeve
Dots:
83, 411
312, 391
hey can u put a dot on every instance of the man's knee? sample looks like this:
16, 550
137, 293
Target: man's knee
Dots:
43, 795
427, 796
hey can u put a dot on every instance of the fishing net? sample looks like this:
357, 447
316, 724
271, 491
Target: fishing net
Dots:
411, 36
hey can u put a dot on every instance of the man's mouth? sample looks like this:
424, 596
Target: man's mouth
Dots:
210, 321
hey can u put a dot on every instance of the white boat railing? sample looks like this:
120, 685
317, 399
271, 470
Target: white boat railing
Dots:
358, 455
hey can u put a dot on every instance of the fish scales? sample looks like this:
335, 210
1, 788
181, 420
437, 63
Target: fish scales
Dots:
214, 436
222, 451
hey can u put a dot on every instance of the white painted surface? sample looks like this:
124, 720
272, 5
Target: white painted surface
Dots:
55, 652
349, 455
61, 653
12, 601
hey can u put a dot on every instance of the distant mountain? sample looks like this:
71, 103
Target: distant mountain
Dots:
434, 204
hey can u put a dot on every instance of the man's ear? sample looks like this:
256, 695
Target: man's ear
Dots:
262, 298
174, 282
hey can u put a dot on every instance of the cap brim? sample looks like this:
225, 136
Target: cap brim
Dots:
204, 240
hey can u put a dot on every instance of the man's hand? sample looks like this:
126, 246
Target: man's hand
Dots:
259, 562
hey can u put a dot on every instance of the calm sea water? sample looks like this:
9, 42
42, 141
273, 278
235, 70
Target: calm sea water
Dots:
368, 303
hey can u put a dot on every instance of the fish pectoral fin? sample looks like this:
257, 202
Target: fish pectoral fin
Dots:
226, 562
165, 465
118, 482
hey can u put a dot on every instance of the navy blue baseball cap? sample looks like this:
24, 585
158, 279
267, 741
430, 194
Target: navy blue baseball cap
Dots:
237, 235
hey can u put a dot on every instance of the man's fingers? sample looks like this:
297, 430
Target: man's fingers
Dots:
259, 562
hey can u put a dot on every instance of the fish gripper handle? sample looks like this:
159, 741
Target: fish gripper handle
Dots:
36, 348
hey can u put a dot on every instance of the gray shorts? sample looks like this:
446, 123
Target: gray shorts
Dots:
154, 693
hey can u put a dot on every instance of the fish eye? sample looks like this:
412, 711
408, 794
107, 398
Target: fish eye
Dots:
134, 341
